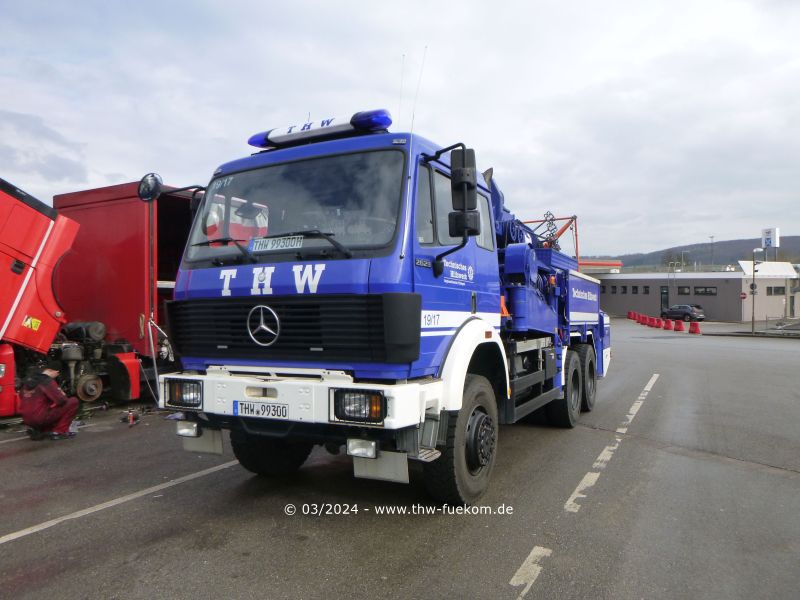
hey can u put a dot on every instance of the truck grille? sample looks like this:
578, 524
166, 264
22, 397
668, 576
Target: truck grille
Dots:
349, 328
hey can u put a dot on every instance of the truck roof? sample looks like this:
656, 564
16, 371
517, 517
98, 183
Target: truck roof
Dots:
353, 143
27, 199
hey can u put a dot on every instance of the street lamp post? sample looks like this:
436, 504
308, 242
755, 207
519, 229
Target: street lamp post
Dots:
683, 263
711, 237
753, 293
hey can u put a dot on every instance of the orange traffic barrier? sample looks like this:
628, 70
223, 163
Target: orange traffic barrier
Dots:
679, 325
694, 327
659, 322
652, 322
630, 314
667, 325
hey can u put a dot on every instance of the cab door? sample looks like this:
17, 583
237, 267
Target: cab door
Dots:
469, 285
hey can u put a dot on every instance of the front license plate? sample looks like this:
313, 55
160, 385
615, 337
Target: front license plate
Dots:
268, 410
292, 242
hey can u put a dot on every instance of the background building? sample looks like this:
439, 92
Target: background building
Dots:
724, 296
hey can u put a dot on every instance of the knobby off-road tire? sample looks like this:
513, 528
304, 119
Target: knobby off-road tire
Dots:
267, 456
565, 411
588, 359
461, 474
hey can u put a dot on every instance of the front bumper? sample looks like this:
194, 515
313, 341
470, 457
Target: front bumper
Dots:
307, 395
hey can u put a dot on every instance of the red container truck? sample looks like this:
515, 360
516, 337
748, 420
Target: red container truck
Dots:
98, 298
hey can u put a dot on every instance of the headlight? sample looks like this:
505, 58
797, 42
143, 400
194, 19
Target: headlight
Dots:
364, 406
184, 393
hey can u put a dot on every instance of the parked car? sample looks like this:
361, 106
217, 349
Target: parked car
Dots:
684, 312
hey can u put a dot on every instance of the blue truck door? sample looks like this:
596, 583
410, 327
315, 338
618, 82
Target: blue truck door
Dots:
469, 284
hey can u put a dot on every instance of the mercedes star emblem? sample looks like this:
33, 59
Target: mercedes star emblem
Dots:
263, 325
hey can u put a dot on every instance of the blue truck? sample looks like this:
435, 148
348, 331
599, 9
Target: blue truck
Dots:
351, 287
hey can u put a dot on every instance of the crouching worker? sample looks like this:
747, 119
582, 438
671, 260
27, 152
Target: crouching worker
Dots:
45, 408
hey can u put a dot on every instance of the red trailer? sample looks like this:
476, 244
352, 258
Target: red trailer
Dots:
89, 307
121, 269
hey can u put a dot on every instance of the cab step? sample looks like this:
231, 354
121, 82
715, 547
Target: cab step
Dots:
427, 455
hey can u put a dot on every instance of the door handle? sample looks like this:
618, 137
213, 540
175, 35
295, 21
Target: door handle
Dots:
17, 267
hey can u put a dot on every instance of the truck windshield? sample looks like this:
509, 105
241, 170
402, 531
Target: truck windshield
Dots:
299, 207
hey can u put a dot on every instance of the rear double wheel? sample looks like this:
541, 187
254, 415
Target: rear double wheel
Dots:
564, 412
461, 474
268, 456
588, 361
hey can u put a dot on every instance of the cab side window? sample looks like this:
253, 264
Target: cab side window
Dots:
486, 237
424, 218
444, 206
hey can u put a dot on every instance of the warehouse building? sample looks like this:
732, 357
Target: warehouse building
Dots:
724, 296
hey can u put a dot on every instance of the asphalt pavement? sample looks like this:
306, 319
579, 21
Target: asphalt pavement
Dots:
684, 482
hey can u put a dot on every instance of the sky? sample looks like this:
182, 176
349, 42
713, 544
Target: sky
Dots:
658, 122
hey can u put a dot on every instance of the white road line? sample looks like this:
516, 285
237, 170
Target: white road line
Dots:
25, 437
15, 440
529, 570
605, 456
10, 537
588, 481
602, 460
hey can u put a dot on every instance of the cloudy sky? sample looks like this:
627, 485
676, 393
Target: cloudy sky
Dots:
657, 122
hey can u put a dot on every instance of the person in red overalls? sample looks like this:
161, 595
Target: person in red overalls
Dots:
45, 408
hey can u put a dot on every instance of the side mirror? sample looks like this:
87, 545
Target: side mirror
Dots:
464, 180
462, 222
150, 187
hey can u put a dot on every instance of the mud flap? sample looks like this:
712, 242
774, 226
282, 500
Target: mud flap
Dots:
389, 466
209, 442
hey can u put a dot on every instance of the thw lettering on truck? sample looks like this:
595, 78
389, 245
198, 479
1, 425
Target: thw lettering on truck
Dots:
306, 279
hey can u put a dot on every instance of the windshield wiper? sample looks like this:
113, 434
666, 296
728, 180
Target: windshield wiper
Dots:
228, 240
317, 234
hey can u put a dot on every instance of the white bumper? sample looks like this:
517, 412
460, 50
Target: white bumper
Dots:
306, 393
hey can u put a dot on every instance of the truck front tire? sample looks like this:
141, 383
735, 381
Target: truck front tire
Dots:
268, 456
565, 411
461, 474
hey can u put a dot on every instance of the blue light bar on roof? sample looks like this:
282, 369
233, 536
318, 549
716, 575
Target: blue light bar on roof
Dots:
372, 120
365, 121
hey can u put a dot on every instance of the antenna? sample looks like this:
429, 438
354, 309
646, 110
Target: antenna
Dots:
419, 82
402, 73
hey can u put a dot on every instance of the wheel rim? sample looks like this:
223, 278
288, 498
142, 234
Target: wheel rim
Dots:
481, 440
